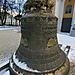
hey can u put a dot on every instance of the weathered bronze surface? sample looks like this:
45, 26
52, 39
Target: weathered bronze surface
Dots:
38, 47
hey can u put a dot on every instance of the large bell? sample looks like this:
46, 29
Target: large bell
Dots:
38, 53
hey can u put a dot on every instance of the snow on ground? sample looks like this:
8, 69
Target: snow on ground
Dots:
4, 63
10, 28
5, 72
67, 40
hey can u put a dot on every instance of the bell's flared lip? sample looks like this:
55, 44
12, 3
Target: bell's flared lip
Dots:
25, 67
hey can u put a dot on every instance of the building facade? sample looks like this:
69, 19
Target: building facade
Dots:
65, 11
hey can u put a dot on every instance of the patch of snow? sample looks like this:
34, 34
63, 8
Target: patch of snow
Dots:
67, 40
3, 64
23, 65
10, 27
2, 72
71, 56
7, 73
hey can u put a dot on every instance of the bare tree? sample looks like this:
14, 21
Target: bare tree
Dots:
3, 14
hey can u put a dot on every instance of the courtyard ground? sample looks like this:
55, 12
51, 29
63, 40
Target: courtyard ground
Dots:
10, 40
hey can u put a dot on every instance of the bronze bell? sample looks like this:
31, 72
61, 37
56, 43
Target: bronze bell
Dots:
38, 53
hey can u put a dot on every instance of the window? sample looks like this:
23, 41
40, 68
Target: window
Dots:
69, 0
68, 9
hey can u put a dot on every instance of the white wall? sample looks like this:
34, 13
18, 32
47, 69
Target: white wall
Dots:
59, 10
73, 20
72, 32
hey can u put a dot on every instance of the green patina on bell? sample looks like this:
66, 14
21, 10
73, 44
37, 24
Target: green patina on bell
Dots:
38, 53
